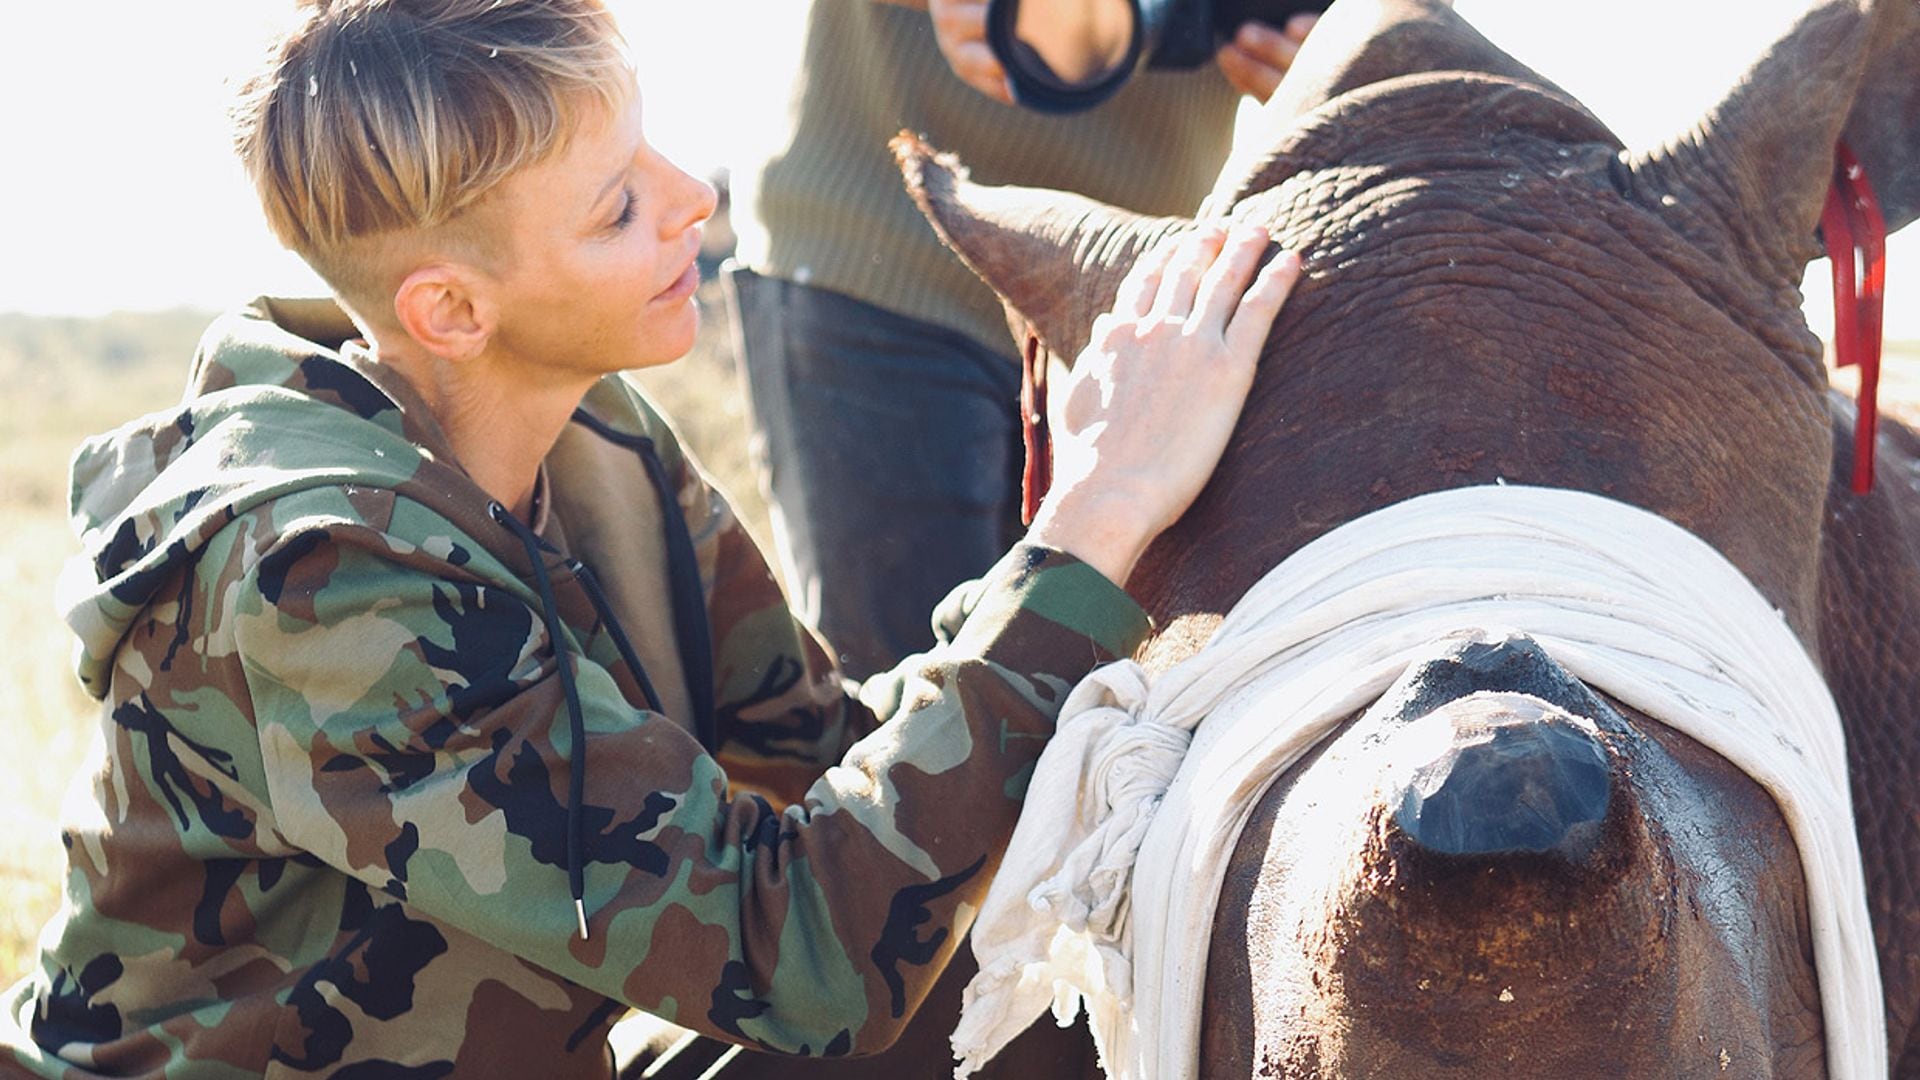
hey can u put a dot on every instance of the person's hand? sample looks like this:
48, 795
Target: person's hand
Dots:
1259, 55
1150, 404
960, 26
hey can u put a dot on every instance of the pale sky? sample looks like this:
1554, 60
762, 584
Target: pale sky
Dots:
118, 189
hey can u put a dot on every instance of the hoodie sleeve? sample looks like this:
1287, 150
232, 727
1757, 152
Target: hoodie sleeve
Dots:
783, 710
414, 734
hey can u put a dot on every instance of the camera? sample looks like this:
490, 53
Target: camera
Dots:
1069, 55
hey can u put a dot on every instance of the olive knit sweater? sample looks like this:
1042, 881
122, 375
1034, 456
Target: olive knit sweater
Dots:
828, 208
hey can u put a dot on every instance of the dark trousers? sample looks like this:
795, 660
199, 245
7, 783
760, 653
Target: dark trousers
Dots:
889, 450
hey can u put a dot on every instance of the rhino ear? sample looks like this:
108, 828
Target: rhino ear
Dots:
1762, 159
1883, 128
1055, 259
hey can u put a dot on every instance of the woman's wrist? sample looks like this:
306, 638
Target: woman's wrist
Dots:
1102, 531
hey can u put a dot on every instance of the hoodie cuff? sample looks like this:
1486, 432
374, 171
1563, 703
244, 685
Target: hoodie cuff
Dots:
1054, 606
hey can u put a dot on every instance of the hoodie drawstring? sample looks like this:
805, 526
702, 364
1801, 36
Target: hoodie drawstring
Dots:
604, 610
690, 630
577, 722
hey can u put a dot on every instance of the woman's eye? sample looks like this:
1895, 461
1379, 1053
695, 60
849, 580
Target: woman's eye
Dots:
628, 207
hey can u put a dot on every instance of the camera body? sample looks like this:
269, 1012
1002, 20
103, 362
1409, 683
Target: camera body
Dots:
1185, 33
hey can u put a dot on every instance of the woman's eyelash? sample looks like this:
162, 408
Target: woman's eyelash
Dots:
627, 210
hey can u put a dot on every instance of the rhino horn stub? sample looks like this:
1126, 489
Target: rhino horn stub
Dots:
1056, 259
1516, 776
1500, 751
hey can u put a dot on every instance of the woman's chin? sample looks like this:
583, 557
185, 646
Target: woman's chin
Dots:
671, 341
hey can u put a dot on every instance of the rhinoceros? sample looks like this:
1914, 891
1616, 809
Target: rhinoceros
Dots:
1497, 292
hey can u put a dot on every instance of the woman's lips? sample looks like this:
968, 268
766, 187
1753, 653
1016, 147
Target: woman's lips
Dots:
683, 286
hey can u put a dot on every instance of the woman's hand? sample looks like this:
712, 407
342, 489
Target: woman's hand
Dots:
1150, 405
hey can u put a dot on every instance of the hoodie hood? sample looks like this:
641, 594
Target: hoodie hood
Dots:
282, 400
278, 402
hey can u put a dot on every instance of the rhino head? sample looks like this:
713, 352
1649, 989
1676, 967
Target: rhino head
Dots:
1467, 226
1496, 289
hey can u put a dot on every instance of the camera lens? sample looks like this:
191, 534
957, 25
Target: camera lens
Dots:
1068, 55
1065, 55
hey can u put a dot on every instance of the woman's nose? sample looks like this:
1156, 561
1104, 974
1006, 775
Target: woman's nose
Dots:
696, 203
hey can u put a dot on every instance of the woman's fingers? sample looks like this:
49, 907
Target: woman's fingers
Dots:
1181, 280
1152, 400
1201, 280
1227, 278
1142, 283
1247, 328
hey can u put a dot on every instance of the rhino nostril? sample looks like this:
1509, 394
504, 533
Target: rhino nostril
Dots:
1512, 774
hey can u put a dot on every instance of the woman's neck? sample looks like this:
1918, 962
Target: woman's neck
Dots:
500, 422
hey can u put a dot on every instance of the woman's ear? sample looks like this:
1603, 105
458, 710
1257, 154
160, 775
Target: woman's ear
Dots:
443, 307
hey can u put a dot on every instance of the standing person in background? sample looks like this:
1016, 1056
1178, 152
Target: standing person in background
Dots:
882, 381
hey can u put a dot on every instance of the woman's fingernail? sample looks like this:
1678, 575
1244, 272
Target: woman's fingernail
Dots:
1299, 25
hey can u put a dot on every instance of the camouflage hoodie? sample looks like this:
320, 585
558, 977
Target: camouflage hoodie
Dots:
366, 738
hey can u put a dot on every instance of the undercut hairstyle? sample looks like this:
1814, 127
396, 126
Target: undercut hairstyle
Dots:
372, 117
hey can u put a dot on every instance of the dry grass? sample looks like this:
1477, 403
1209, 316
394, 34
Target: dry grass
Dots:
65, 379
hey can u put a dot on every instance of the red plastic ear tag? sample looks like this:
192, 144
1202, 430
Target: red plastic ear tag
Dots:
1856, 239
1037, 476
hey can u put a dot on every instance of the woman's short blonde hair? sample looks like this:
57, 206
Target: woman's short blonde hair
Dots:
375, 116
